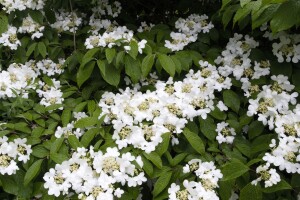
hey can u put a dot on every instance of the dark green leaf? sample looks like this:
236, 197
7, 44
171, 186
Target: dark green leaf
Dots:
195, 141
32, 171
161, 183
233, 169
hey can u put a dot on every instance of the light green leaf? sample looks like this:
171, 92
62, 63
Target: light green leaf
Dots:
86, 122
4, 23
110, 54
74, 142
133, 68
147, 64
109, 73
233, 169
161, 183
167, 64
282, 185
251, 191
154, 158
232, 100
163, 146
283, 20
42, 49
133, 49
195, 141
32, 171
66, 116
88, 136
85, 71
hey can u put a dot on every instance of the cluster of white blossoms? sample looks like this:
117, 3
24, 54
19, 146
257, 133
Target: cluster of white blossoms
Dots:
287, 47
95, 175
145, 27
104, 8
188, 30
13, 5
235, 60
32, 27
208, 177
267, 174
139, 119
10, 38
11, 153
66, 21
70, 129
18, 79
273, 100
225, 133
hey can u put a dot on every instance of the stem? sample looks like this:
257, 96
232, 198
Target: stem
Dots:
73, 21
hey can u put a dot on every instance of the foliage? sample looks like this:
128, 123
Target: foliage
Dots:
149, 99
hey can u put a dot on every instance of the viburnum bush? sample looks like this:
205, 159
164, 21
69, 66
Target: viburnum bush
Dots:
169, 99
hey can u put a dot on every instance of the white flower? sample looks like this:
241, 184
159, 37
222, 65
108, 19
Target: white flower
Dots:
225, 133
10, 39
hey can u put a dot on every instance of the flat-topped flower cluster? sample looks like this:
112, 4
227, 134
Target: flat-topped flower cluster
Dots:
95, 174
139, 119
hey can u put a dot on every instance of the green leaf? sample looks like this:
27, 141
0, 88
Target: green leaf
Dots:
109, 73
42, 49
32, 171
133, 52
58, 157
9, 185
147, 64
284, 68
242, 13
147, 166
74, 142
85, 71
133, 68
227, 15
30, 49
154, 158
226, 189
251, 191
66, 117
232, 100
4, 23
195, 141
56, 145
39, 151
88, 136
218, 114
263, 15
233, 169
110, 54
37, 16
86, 122
255, 129
208, 128
161, 183
90, 54
244, 2
282, 20
167, 64
282, 185
163, 146
120, 59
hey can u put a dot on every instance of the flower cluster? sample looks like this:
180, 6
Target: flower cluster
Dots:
66, 21
235, 60
70, 129
95, 175
287, 47
32, 27
104, 8
11, 153
145, 27
204, 189
273, 100
13, 5
140, 119
189, 29
18, 79
10, 39
267, 174
225, 133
